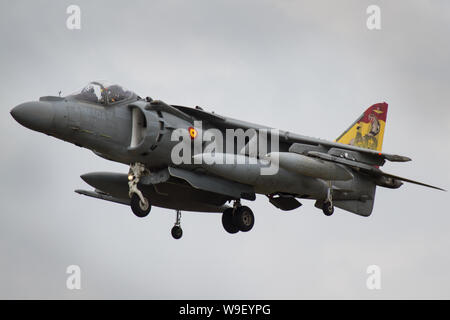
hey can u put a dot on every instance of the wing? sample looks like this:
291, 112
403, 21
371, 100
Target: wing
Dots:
288, 137
380, 178
391, 176
360, 159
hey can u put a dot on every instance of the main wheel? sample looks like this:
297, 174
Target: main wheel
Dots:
139, 208
244, 218
177, 232
328, 208
227, 221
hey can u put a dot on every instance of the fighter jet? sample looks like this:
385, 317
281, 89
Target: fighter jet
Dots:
188, 159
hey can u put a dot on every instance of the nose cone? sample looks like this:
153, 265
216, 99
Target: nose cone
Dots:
35, 115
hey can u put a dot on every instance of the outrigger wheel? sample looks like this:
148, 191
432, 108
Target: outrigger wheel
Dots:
328, 207
176, 231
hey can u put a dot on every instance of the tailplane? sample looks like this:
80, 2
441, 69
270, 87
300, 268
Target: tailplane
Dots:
368, 130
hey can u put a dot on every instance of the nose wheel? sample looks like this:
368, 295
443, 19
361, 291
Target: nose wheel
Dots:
140, 205
328, 208
176, 231
140, 208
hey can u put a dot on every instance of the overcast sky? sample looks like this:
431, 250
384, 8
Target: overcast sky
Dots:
310, 67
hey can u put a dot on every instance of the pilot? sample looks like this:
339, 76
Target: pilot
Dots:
89, 94
103, 93
115, 93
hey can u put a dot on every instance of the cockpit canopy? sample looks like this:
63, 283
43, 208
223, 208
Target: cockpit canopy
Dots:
102, 93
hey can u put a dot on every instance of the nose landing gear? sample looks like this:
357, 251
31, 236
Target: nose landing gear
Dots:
328, 208
140, 205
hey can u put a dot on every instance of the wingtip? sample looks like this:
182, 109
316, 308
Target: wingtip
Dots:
434, 187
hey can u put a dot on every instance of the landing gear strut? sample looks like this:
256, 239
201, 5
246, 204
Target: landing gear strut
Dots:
177, 232
328, 207
238, 218
140, 205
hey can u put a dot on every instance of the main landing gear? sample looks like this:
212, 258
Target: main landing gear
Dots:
140, 205
238, 218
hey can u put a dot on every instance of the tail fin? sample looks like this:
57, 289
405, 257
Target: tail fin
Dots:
368, 130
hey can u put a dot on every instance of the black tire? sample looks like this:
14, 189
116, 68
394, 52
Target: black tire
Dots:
328, 208
139, 209
227, 221
177, 232
244, 219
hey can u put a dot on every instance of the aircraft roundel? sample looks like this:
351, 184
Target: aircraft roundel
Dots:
193, 132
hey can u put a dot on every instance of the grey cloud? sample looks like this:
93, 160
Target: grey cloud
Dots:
310, 67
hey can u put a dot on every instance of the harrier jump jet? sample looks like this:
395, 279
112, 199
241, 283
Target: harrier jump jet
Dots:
151, 136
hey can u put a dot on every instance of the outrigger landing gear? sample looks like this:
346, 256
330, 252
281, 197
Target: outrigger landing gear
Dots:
177, 232
140, 205
328, 207
238, 218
